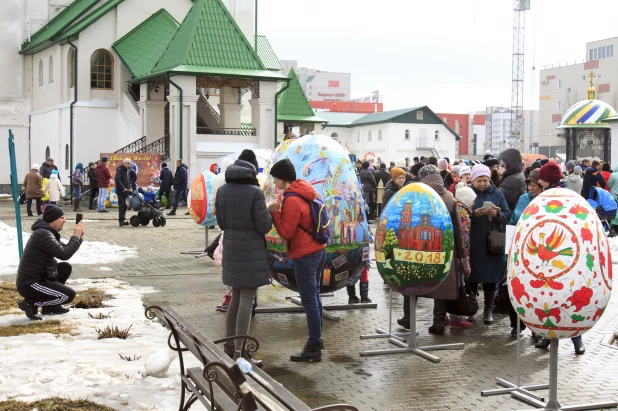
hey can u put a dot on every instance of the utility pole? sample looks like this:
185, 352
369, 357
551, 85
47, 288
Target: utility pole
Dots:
517, 91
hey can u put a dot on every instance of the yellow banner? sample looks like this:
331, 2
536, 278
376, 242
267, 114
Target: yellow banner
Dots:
421, 257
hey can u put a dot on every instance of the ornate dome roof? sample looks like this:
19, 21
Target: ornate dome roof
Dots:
588, 114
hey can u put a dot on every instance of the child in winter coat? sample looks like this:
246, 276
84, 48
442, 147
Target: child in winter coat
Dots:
150, 196
463, 181
54, 188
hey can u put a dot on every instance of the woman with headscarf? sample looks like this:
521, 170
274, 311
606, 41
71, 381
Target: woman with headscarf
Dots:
78, 182
489, 211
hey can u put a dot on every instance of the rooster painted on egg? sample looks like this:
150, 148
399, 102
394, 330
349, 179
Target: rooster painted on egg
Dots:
559, 272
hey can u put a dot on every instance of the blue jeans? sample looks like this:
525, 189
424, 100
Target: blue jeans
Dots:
77, 191
177, 195
308, 272
102, 198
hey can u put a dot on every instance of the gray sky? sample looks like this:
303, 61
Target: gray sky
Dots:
452, 55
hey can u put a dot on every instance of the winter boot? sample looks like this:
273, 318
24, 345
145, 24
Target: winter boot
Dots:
488, 312
364, 292
30, 310
579, 346
54, 310
311, 353
352, 298
543, 344
76, 205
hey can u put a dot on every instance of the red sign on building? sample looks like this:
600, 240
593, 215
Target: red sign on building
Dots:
333, 83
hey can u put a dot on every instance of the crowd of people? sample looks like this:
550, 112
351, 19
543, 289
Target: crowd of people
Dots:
480, 197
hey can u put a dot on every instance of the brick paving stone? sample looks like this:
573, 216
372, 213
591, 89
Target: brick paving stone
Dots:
393, 382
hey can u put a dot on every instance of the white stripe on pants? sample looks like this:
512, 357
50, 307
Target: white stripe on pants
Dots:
61, 297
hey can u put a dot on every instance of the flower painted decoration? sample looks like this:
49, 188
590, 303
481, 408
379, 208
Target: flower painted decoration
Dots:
200, 199
559, 269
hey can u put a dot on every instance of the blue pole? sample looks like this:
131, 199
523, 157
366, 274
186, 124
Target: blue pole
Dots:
15, 189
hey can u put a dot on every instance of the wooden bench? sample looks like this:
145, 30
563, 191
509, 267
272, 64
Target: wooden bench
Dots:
220, 384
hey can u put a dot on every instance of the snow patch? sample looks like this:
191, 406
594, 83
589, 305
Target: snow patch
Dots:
80, 366
90, 252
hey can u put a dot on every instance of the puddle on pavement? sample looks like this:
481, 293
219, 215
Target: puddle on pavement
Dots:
350, 363
301, 386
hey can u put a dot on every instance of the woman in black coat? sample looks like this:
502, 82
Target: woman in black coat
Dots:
370, 187
243, 217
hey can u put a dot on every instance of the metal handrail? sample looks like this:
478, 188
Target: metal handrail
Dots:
133, 147
160, 146
132, 93
227, 131
210, 108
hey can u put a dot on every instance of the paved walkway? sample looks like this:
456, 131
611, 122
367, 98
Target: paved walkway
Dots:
393, 382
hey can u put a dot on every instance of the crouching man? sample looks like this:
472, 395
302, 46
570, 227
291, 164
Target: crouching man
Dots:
40, 278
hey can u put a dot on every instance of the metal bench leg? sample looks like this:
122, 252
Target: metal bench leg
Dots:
189, 403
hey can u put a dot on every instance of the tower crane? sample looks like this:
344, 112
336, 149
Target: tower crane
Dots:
517, 91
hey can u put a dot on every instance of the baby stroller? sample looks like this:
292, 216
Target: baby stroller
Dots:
605, 206
145, 212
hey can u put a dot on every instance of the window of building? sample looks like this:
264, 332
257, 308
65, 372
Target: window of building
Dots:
602, 52
51, 69
407, 134
358, 137
71, 61
610, 50
559, 84
591, 57
437, 134
379, 134
40, 72
101, 70
595, 54
583, 78
369, 136
559, 106
568, 89
66, 157
598, 76
47, 153
419, 115
334, 136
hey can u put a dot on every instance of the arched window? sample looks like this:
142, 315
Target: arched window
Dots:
70, 68
51, 69
334, 136
369, 136
101, 70
379, 134
66, 157
407, 134
437, 134
47, 153
41, 72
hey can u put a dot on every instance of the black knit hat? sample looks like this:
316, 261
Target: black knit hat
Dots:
284, 169
249, 156
365, 164
52, 213
491, 161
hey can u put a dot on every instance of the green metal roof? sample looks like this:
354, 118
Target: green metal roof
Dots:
340, 119
267, 54
209, 37
73, 31
47, 34
141, 48
293, 104
384, 116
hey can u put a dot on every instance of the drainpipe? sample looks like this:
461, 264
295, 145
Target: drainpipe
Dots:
71, 131
181, 103
276, 106
256, 24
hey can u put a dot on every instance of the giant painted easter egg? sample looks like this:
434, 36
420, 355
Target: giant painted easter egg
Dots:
559, 266
200, 199
414, 241
324, 163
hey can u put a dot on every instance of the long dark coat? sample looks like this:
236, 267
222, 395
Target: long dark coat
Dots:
486, 267
243, 216
448, 289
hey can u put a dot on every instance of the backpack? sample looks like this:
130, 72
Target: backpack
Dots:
320, 218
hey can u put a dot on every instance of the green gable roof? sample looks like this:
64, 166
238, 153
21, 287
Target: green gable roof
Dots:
141, 48
293, 104
267, 54
44, 38
209, 37
73, 31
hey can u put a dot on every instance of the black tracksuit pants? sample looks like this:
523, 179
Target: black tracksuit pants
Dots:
48, 293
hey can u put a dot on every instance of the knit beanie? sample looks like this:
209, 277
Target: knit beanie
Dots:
551, 173
570, 165
577, 170
465, 195
456, 169
284, 170
105, 159
35, 167
442, 164
249, 156
52, 213
479, 170
464, 170
535, 165
396, 172
544, 161
492, 161
365, 164
382, 166
427, 170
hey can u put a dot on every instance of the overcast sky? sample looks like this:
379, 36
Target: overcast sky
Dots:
452, 55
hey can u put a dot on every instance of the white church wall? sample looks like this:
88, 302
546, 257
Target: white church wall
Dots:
133, 12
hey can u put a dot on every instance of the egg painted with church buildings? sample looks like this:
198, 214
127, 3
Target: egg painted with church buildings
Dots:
414, 241
200, 199
325, 164
559, 270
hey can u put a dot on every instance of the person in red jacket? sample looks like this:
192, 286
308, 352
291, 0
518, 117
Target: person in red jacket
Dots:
103, 180
292, 218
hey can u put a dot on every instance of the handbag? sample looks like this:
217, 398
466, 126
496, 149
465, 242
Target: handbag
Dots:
466, 303
496, 240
